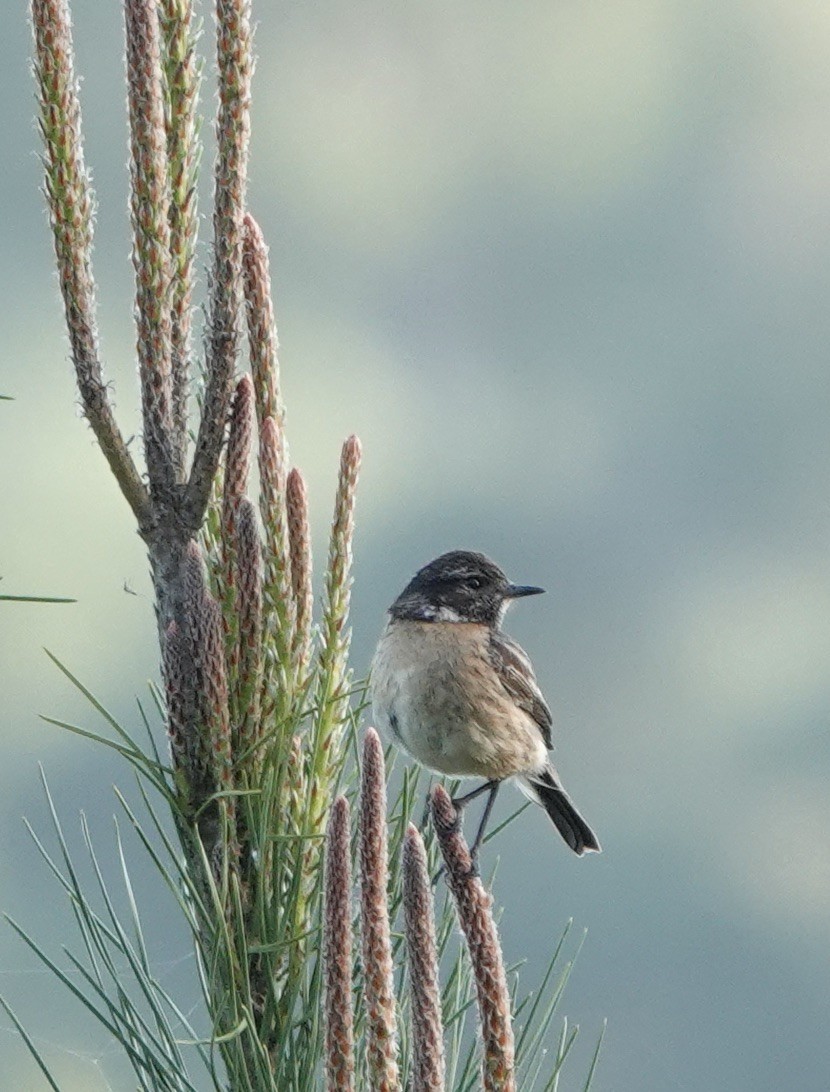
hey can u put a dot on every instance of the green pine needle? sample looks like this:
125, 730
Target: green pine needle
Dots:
35, 599
27, 1039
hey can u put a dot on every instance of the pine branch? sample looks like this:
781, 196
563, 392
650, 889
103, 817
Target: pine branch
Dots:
235, 483
149, 205
475, 916
247, 678
333, 688
427, 1026
337, 952
379, 994
299, 545
70, 201
279, 596
262, 328
181, 78
235, 64
212, 773
240, 442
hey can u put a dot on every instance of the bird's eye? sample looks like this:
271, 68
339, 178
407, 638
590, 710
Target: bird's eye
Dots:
475, 582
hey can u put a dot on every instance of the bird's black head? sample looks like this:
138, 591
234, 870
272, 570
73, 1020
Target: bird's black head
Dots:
458, 587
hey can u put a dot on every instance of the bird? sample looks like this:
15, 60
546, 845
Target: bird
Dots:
460, 696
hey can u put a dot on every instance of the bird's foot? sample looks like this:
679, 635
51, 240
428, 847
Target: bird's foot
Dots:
473, 873
455, 827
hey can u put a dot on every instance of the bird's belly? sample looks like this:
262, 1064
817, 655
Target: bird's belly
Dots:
434, 710
438, 730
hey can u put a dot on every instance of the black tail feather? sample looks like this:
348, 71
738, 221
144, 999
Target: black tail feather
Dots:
545, 789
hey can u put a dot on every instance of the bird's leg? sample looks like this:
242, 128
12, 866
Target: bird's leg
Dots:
459, 802
485, 818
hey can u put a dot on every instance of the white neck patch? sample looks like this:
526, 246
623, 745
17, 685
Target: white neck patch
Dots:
428, 612
446, 614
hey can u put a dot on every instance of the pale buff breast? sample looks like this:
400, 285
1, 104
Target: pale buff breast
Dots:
435, 693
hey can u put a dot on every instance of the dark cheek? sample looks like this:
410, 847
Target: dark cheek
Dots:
478, 612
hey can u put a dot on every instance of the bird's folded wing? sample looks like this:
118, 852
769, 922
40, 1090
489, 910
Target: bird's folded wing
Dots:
514, 669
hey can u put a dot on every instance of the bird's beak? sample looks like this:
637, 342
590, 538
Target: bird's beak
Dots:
519, 591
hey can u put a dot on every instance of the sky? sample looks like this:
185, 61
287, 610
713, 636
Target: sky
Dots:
563, 267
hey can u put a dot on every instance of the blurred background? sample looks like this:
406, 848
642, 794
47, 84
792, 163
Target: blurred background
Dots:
564, 267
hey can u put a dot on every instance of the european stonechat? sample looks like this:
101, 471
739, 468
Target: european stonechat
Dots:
460, 696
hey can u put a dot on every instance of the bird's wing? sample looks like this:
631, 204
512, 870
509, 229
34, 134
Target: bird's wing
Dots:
515, 672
